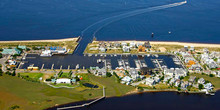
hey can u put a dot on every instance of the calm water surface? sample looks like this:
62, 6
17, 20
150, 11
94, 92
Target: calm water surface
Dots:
156, 101
196, 21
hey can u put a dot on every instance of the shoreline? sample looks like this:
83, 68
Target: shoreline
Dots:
46, 40
195, 44
210, 45
135, 92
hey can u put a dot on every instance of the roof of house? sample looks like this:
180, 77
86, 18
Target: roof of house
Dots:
11, 51
22, 46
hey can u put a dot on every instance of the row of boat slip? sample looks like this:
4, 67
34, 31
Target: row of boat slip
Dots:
115, 55
124, 63
159, 63
140, 63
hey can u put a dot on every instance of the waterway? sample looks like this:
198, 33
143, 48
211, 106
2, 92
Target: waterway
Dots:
155, 101
91, 61
196, 21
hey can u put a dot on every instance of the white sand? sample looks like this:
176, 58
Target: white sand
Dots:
173, 43
49, 40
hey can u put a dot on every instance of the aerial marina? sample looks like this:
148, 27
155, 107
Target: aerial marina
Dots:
109, 55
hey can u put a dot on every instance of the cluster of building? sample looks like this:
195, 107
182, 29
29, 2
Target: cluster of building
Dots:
98, 71
208, 59
49, 51
125, 46
131, 76
190, 62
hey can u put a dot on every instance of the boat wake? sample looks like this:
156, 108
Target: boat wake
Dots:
115, 18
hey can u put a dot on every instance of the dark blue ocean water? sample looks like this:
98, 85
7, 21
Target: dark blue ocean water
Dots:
153, 101
196, 21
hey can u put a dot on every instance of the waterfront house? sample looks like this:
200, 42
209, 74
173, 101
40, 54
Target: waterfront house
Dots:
156, 79
147, 45
177, 82
101, 72
186, 47
208, 86
108, 44
126, 80
102, 49
205, 50
180, 72
149, 82
166, 78
184, 85
124, 44
192, 79
172, 81
23, 47
117, 44
126, 49
13, 51
201, 81
139, 44
132, 44
168, 72
176, 76
141, 48
192, 48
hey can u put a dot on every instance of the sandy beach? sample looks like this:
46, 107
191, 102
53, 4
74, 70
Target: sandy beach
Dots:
48, 40
173, 43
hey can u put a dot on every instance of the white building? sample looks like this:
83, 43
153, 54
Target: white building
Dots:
12, 62
123, 44
126, 49
46, 53
126, 80
63, 80
149, 81
208, 86
102, 49
169, 72
132, 44
201, 81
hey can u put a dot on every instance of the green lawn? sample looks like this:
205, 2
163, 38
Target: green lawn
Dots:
214, 80
32, 75
35, 96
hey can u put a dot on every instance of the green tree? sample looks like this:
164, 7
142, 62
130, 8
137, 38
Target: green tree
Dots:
108, 74
7, 73
19, 75
1, 73
13, 74
211, 75
201, 86
14, 107
162, 78
181, 78
0, 55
